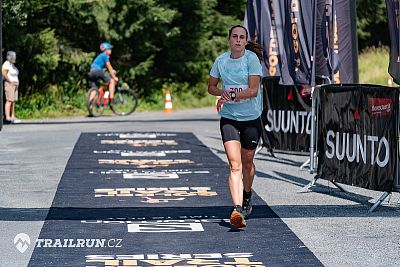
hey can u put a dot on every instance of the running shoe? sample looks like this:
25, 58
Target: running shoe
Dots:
237, 218
247, 207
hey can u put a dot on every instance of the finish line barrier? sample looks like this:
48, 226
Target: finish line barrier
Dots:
286, 117
354, 137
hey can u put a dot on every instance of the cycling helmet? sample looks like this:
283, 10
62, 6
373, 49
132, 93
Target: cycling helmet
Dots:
104, 46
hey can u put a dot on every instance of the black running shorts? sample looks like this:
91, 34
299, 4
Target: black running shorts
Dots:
96, 75
246, 132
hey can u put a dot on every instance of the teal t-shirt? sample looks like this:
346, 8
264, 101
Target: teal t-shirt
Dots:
234, 74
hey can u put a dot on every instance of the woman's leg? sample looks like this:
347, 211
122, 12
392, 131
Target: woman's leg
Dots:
232, 149
250, 133
249, 168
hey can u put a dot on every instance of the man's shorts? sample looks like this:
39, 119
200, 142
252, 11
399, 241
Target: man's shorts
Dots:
11, 90
248, 133
95, 75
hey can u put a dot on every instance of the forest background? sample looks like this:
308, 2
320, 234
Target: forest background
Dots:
156, 42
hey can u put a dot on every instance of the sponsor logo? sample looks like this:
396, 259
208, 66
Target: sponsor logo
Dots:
141, 225
144, 174
273, 54
186, 218
145, 163
140, 143
22, 242
288, 121
156, 176
295, 15
78, 243
354, 147
204, 260
152, 195
128, 153
165, 227
380, 106
124, 171
136, 135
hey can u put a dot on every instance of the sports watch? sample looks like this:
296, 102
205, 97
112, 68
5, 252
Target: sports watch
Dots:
232, 95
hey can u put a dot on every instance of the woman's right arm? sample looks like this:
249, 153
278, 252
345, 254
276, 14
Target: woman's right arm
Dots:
213, 86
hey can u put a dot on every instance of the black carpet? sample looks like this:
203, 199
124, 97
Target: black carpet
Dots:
156, 199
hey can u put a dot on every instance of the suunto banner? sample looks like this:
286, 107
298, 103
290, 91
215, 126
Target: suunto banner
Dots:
357, 139
286, 117
393, 11
345, 42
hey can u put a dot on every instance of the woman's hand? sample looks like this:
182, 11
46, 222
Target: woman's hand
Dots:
226, 95
220, 104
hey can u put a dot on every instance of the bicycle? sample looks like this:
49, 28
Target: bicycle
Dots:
125, 100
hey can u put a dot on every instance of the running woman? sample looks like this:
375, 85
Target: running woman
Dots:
240, 108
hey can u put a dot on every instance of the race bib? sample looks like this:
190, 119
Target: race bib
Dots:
237, 89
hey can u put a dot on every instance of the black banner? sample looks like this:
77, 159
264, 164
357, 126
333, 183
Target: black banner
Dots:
357, 135
286, 116
393, 11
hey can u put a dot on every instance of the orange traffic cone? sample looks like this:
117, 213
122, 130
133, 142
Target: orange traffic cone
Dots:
168, 102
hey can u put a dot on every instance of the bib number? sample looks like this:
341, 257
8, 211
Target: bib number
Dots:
237, 89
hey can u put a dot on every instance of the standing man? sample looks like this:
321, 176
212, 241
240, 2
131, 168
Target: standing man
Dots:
10, 73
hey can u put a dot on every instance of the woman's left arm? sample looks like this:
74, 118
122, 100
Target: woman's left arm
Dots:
252, 91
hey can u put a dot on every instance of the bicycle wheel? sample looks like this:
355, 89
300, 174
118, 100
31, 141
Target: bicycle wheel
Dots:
125, 102
94, 103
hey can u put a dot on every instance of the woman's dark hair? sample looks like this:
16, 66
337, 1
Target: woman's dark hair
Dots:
251, 45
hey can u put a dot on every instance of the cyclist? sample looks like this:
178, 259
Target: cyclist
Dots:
97, 70
240, 108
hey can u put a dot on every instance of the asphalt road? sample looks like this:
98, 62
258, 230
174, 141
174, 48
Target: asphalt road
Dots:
334, 225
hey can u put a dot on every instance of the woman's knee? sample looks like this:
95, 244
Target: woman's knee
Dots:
248, 165
236, 166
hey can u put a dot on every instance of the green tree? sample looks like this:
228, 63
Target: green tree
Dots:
372, 23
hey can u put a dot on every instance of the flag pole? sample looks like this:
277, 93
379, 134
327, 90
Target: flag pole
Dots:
1, 62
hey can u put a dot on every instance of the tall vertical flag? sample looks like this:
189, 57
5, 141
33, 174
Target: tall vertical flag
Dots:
300, 34
345, 42
393, 11
305, 38
324, 55
252, 19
